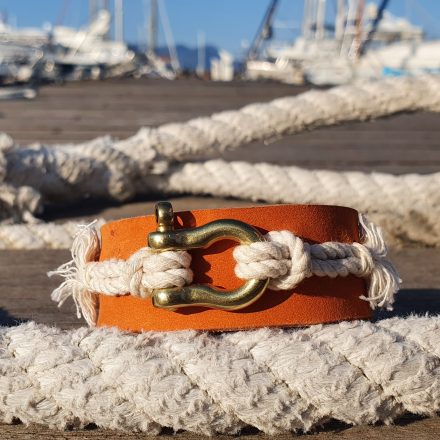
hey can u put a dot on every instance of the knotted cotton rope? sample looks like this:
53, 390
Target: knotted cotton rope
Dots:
287, 260
284, 258
272, 379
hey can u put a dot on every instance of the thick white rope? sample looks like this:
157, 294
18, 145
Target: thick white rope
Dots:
39, 235
272, 379
284, 258
407, 208
119, 169
18, 204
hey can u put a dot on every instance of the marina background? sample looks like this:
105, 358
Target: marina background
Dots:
226, 23
321, 42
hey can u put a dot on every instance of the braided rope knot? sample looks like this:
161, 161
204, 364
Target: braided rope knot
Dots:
287, 260
284, 258
139, 275
158, 271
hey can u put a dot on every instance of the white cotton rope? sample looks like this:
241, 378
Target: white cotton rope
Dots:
287, 260
28, 236
105, 167
284, 258
120, 169
408, 206
275, 380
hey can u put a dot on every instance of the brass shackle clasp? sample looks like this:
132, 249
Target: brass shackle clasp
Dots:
167, 238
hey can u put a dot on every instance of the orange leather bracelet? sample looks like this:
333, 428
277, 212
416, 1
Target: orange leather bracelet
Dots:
315, 300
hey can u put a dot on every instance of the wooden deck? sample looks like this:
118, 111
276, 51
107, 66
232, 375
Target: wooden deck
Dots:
81, 111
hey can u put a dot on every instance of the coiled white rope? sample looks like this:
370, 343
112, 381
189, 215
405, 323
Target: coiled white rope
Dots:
272, 379
119, 169
19, 204
39, 235
409, 204
285, 259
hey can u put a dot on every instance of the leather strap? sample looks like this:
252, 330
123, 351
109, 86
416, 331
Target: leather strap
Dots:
315, 300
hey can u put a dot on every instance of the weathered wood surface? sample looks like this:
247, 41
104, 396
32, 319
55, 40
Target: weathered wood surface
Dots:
407, 428
75, 112
81, 111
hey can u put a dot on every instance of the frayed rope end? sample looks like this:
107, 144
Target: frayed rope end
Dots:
384, 279
85, 248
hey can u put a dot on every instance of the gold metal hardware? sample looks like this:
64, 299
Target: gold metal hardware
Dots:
166, 238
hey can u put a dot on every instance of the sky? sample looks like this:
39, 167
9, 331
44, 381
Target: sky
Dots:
228, 24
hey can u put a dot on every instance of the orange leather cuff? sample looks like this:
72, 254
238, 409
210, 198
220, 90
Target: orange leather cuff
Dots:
315, 300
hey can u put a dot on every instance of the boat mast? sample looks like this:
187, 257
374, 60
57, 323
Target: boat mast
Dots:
93, 9
357, 42
374, 27
152, 28
313, 11
264, 31
320, 20
340, 20
174, 59
119, 21
306, 19
201, 55
348, 35
305, 24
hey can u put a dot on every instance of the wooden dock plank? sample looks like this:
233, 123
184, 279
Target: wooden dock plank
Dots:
79, 112
407, 428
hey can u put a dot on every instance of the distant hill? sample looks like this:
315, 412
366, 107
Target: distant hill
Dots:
188, 56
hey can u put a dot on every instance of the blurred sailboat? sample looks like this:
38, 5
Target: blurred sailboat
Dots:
363, 42
155, 65
62, 52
